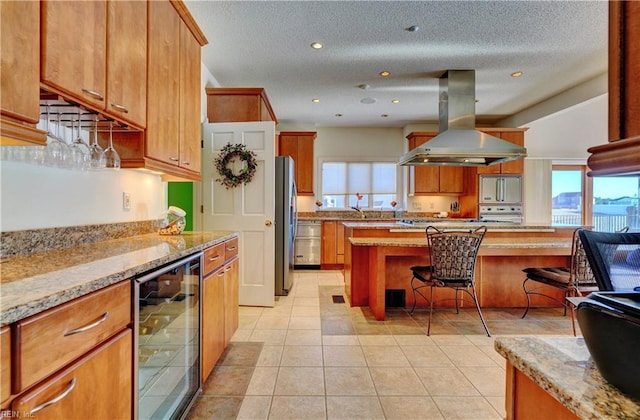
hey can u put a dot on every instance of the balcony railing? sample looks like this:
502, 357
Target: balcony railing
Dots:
603, 223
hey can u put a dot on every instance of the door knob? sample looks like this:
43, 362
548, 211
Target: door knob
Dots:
268, 223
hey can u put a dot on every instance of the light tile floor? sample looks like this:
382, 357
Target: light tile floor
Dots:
311, 358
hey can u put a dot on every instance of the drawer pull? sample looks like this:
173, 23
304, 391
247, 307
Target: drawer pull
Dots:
88, 327
233, 248
93, 93
214, 258
221, 273
120, 108
228, 268
174, 159
64, 393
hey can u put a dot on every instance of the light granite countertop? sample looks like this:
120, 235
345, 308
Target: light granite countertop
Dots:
487, 243
563, 367
452, 224
32, 283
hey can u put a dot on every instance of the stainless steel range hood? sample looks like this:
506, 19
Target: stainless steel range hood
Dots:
459, 143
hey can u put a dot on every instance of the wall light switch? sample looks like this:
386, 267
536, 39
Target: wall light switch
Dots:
126, 201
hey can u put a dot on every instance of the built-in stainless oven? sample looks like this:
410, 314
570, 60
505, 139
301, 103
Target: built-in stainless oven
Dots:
167, 339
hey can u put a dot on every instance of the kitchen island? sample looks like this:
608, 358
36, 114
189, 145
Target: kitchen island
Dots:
555, 377
378, 257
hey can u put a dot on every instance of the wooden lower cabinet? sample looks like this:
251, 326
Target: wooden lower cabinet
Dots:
213, 337
527, 400
231, 317
97, 386
5, 364
219, 302
332, 244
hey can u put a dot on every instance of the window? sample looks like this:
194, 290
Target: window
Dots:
374, 181
570, 190
615, 203
608, 203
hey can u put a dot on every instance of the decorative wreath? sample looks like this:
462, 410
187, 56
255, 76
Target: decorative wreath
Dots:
228, 154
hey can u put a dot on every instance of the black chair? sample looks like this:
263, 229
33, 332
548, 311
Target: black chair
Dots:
453, 256
575, 280
614, 259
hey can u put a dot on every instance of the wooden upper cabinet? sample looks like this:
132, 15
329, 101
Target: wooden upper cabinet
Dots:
190, 131
95, 53
127, 61
163, 105
299, 145
238, 105
511, 167
20, 75
433, 179
74, 45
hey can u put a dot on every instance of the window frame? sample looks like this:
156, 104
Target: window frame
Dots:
586, 184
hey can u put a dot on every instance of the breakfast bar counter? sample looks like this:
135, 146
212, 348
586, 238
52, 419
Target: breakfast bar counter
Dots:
555, 377
378, 258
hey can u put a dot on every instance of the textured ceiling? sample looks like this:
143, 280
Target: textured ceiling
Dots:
557, 44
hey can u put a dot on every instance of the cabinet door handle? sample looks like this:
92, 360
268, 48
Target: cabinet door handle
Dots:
93, 93
120, 108
221, 274
232, 248
174, 159
89, 326
228, 268
186, 163
214, 258
64, 393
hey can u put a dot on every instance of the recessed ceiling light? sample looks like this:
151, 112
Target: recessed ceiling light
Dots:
315, 100
385, 73
516, 74
395, 101
316, 45
368, 101
412, 28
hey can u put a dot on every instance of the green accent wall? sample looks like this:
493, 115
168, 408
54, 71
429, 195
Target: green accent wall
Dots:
180, 194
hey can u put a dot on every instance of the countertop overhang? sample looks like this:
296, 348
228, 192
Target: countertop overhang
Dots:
563, 367
33, 283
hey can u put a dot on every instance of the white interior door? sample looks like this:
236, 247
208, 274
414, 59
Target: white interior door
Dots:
248, 209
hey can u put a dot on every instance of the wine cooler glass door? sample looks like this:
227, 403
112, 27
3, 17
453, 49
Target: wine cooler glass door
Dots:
167, 333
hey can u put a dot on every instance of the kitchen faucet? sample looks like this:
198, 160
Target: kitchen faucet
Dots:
359, 210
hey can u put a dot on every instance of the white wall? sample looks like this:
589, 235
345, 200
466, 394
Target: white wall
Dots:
560, 138
35, 197
567, 134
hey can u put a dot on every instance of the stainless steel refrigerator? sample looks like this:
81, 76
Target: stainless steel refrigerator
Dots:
285, 224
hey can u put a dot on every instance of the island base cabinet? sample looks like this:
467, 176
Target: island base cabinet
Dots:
97, 386
526, 400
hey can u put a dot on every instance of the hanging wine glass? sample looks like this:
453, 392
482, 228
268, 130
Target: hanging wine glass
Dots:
98, 160
57, 151
112, 158
81, 154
